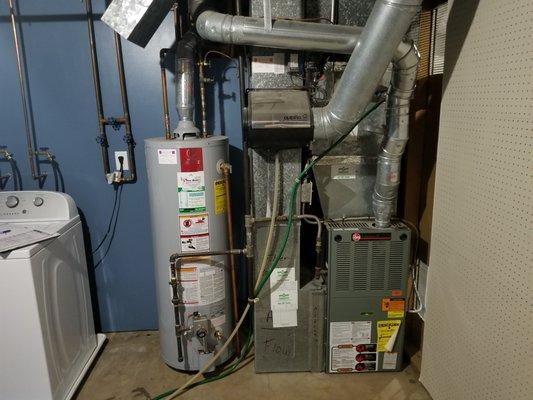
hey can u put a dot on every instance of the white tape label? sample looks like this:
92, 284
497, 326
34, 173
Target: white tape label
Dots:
167, 156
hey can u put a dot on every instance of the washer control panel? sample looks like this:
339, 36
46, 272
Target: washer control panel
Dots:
36, 205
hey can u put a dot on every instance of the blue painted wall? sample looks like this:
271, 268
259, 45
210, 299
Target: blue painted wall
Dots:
63, 109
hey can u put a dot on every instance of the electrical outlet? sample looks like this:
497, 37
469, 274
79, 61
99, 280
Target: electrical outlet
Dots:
125, 163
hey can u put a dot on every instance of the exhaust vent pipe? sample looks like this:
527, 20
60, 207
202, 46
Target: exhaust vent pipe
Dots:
372, 50
403, 80
185, 57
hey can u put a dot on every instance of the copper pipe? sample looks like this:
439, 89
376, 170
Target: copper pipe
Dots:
102, 138
226, 170
128, 137
201, 78
166, 113
34, 166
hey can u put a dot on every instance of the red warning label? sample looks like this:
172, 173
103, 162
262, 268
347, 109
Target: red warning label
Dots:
191, 159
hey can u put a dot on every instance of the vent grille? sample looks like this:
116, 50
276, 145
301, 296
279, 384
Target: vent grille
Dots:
360, 273
396, 266
379, 257
342, 278
350, 225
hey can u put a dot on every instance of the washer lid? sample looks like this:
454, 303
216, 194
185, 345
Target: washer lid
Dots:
51, 227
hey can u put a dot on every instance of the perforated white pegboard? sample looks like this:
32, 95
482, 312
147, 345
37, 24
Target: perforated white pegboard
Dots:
478, 342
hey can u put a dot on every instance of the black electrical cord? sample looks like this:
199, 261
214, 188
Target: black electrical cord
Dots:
110, 222
119, 200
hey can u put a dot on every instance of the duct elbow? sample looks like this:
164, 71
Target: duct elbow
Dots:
327, 125
405, 68
215, 27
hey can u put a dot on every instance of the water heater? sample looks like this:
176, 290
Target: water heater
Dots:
188, 216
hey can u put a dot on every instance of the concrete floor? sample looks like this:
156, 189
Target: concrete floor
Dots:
129, 368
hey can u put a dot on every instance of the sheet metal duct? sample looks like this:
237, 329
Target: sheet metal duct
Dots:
378, 43
285, 34
136, 20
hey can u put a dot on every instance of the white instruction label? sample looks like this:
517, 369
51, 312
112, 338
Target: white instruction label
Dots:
284, 297
350, 332
194, 243
389, 360
343, 358
274, 64
201, 284
284, 318
283, 289
167, 156
194, 224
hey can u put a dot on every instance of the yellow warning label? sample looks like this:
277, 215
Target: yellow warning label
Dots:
387, 331
220, 196
395, 314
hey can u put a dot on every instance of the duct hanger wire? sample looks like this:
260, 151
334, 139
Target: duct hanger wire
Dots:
115, 122
30, 132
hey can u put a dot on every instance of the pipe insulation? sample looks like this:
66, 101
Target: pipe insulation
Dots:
185, 73
372, 49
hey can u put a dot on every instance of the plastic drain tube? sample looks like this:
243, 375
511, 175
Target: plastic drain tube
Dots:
264, 279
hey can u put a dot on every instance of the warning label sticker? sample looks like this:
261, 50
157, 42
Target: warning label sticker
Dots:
220, 196
191, 159
194, 243
360, 357
387, 333
201, 284
194, 224
394, 307
391, 304
350, 332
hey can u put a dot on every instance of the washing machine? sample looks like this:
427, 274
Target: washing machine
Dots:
47, 335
